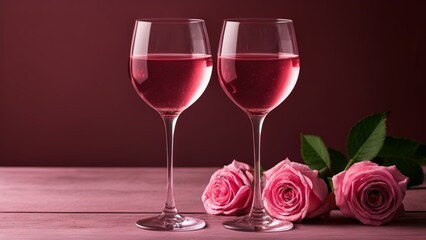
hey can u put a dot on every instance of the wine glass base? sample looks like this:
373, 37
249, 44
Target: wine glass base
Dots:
246, 223
176, 223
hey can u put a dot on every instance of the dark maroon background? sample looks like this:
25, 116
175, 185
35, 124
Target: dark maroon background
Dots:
66, 97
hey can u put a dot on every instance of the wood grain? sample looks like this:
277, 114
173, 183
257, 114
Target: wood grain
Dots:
99, 189
122, 226
104, 203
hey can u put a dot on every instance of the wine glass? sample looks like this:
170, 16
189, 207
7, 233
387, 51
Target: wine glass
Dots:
258, 66
170, 67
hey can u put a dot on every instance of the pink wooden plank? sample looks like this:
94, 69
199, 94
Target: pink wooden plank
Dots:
99, 189
19, 226
127, 190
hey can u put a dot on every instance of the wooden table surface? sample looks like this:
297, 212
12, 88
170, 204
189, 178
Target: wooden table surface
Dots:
104, 203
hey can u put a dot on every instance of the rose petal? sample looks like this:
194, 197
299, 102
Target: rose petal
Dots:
371, 193
292, 191
229, 190
324, 210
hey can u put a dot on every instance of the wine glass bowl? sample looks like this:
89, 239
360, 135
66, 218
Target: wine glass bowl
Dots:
171, 83
258, 67
240, 77
170, 67
170, 62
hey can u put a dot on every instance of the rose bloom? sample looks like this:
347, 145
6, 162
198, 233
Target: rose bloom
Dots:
229, 190
293, 191
371, 193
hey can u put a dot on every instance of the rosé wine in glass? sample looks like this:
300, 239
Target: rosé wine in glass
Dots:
258, 66
170, 67
256, 82
170, 83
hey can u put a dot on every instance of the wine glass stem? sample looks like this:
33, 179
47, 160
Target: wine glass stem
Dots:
169, 124
257, 207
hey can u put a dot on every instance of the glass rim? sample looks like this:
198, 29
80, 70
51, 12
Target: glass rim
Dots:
258, 20
170, 20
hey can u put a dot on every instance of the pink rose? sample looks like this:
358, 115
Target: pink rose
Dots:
229, 190
293, 191
371, 193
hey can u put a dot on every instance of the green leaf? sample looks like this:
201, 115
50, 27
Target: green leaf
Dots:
421, 152
338, 161
422, 161
378, 160
420, 155
407, 167
406, 155
314, 153
404, 148
366, 138
330, 184
398, 148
